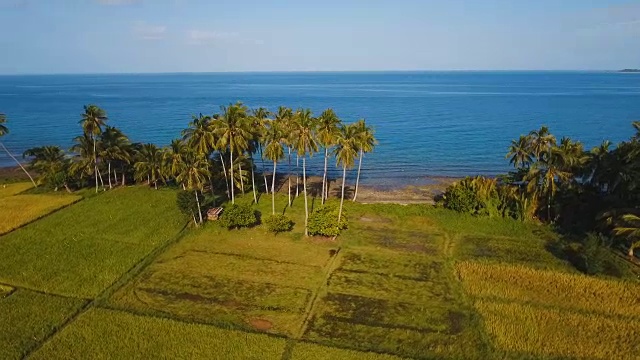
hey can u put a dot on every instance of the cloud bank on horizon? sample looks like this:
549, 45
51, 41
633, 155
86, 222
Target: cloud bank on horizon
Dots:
102, 36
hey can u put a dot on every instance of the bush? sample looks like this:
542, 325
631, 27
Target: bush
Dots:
324, 221
483, 196
238, 216
278, 223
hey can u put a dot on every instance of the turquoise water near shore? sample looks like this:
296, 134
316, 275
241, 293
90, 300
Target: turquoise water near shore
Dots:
428, 123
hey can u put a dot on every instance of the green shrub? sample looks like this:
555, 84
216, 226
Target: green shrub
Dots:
324, 221
278, 223
483, 196
238, 216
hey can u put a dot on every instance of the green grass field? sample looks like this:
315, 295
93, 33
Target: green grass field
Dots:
400, 282
83, 249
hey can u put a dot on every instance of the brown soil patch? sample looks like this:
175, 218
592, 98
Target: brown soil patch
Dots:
261, 324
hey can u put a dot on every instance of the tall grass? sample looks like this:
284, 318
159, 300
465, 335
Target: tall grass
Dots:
18, 210
562, 290
554, 333
109, 334
27, 317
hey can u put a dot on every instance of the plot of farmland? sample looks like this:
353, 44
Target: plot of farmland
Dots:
550, 314
81, 250
231, 279
18, 210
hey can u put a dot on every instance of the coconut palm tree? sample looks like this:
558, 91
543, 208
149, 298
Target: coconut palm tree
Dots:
3, 131
115, 146
51, 163
629, 228
285, 118
174, 158
546, 174
274, 152
541, 142
328, 128
198, 136
365, 142
82, 164
149, 164
232, 128
304, 142
520, 152
345, 152
93, 119
260, 116
193, 174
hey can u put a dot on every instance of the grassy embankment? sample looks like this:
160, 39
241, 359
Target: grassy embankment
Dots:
390, 286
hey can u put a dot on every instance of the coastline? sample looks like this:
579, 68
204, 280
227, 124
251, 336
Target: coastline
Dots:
420, 191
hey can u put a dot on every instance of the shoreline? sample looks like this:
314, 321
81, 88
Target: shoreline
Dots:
421, 190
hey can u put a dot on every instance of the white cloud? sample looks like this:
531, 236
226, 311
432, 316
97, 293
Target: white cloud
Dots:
143, 31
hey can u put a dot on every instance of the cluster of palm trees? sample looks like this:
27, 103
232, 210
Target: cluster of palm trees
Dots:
560, 179
213, 150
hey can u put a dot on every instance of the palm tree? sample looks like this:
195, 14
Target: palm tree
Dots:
193, 174
328, 123
82, 163
520, 152
304, 142
51, 164
365, 142
174, 158
149, 164
545, 175
3, 131
345, 152
232, 128
92, 121
199, 136
629, 228
285, 120
260, 118
115, 146
541, 142
274, 152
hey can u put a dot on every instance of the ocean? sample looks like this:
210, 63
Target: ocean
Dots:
428, 124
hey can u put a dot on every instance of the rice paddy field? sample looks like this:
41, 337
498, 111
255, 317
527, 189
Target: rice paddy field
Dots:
118, 275
17, 210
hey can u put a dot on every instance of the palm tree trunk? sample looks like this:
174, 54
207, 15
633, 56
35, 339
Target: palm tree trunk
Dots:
630, 253
253, 181
289, 176
199, 210
324, 177
297, 169
123, 179
95, 161
233, 199
19, 164
100, 177
115, 176
273, 189
344, 178
306, 206
226, 179
109, 175
355, 194
266, 184
241, 178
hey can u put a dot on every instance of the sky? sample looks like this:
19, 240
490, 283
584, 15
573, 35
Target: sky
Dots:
132, 36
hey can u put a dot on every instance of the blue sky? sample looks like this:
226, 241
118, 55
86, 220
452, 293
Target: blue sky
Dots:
104, 36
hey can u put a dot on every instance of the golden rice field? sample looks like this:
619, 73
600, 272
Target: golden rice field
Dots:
559, 333
547, 314
562, 290
13, 189
17, 210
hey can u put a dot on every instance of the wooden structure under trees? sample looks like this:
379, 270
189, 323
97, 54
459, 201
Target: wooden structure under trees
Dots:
214, 213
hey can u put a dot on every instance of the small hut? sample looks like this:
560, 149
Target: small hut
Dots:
214, 213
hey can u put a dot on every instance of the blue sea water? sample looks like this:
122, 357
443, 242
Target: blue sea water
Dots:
428, 123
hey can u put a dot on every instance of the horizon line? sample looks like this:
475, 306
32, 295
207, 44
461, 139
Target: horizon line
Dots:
308, 72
